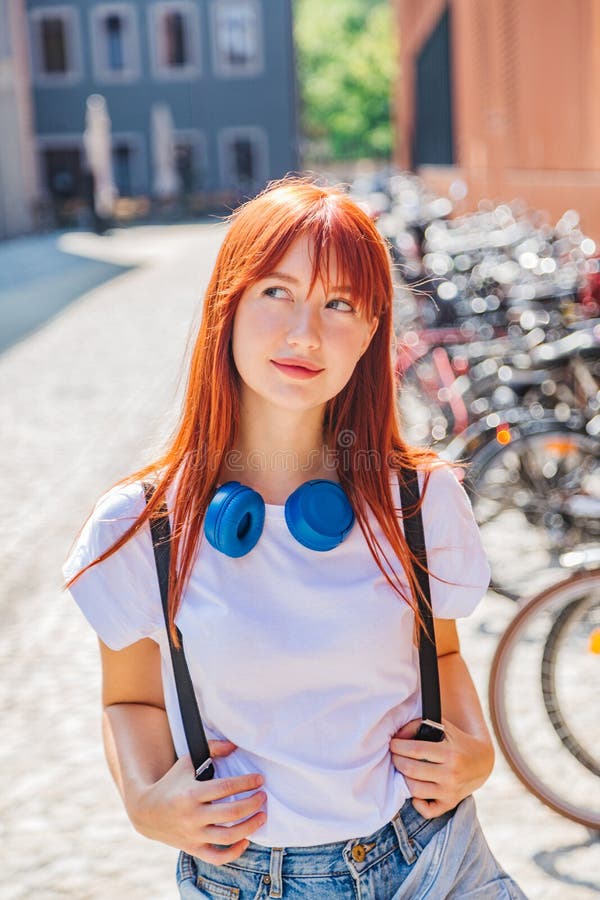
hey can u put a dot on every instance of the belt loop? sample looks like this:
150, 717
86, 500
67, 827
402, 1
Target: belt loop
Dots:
404, 842
275, 867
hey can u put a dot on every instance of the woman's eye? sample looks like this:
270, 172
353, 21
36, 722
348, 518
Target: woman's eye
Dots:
277, 292
348, 306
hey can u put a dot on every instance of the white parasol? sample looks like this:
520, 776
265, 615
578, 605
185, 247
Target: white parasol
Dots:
98, 148
166, 177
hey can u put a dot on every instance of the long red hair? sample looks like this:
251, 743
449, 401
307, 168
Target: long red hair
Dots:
261, 232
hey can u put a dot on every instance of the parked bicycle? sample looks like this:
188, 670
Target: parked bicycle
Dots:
499, 363
543, 695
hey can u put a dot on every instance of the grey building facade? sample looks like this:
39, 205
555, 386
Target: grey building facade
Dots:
225, 68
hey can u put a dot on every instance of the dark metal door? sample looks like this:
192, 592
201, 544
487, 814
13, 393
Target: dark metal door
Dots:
433, 143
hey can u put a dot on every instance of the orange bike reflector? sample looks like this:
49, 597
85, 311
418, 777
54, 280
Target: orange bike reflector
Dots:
560, 446
594, 642
503, 435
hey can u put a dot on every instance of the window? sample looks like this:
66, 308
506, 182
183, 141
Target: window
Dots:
176, 51
62, 170
237, 40
190, 159
121, 157
184, 162
174, 39
115, 42
243, 157
55, 45
242, 153
129, 163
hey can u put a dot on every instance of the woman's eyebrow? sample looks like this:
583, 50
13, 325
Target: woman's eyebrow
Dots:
284, 277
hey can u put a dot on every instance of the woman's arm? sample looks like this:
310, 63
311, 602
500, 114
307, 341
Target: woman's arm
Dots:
160, 794
441, 775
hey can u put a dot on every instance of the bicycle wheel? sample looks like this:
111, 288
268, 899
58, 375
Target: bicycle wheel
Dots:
571, 644
535, 497
543, 696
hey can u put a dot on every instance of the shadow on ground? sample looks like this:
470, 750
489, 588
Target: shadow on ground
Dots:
38, 279
574, 858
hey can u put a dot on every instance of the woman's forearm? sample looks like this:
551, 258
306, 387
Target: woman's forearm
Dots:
138, 747
461, 706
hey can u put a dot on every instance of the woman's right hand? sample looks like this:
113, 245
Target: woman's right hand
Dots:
178, 810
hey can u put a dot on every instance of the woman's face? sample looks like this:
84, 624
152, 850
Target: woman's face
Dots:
278, 321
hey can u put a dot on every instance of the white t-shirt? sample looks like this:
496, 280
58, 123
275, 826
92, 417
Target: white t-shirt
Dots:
304, 659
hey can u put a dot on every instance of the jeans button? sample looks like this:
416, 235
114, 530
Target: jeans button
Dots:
266, 879
358, 853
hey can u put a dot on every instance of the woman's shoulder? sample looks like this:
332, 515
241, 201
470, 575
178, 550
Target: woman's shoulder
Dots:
112, 515
436, 475
119, 594
445, 502
123, 501
446, 511
441, 476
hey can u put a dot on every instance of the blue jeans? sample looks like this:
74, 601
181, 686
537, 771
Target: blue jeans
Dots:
411, 858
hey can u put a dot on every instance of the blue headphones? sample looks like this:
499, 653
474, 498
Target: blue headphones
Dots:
318, 514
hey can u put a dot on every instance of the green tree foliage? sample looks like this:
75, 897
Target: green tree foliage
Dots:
346, 63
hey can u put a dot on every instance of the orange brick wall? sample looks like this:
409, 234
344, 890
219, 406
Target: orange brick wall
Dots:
526, 100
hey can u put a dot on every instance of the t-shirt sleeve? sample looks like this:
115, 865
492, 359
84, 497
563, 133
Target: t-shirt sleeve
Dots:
119, 597
459, 570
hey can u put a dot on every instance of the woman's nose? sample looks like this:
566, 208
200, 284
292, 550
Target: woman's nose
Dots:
305, 329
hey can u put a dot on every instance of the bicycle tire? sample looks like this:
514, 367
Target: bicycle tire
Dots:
550, 693
515, 723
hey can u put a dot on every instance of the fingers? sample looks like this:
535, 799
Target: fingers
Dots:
219, 788
428, 751
222, 843
220, 834
221, 748
419, 769
219, 856
430, 809
221, 813
423, 790
409, 729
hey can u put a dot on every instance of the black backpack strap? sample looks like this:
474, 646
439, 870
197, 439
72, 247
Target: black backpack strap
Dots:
190, 715
431, 729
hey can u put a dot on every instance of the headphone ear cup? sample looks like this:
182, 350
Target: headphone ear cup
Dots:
319, 514
234, 519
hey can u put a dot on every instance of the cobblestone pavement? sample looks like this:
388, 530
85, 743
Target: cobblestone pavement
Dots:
84, 400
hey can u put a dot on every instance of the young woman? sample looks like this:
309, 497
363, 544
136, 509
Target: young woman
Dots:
299, 624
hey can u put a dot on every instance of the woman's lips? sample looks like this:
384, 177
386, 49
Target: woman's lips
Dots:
296, 371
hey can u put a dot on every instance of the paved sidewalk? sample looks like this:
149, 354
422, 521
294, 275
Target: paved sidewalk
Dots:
83, 401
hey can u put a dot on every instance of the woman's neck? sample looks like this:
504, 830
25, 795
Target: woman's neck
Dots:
275, 453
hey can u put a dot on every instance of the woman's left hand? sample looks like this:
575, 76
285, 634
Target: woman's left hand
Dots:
440, 775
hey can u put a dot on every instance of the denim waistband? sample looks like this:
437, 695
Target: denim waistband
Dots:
407, 827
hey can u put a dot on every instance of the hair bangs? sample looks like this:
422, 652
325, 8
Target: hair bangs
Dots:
344, 242
341, 260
